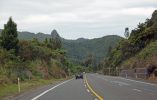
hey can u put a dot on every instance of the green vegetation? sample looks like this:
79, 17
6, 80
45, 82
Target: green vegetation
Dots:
139, 50
11, 89
145, 58
9, 39
34, 62
79, 50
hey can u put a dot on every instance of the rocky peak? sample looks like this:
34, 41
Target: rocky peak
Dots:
55, 34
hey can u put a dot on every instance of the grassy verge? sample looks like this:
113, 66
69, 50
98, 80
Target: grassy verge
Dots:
12, 89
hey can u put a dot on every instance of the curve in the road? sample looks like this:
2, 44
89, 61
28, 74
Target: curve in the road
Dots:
91, 89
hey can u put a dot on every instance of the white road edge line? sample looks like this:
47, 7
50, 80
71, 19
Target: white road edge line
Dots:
138, 81
35, 98
137, 90
152, 93
88, 90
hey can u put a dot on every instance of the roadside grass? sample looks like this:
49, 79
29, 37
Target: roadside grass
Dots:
7, 89
12, 89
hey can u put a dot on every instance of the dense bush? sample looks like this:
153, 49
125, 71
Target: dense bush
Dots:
141, 42
30, 59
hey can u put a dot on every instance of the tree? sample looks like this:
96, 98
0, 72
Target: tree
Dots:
109, 51
57, 44
54, 43
35, 41
46, 41
0, 40
49, 43
89, 60
127, 32
9, 37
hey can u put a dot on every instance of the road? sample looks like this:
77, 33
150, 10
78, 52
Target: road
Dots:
95, 87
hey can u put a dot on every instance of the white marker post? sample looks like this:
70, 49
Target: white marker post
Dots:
18, 84
109, 71
136, 75
126, 75
116, 71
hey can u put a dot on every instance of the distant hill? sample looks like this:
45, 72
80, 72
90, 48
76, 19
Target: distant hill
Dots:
28, 36
98, 47
25, 35
78, 49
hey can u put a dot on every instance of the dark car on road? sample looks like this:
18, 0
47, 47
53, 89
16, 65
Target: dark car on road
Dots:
79, 76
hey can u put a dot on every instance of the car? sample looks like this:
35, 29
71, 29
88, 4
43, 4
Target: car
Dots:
79, 76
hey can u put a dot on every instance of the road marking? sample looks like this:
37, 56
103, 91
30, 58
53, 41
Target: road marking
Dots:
92, 91
137, 90
105, 79
88, 90
35, 98
116, 82
137, 81
152, 93
120, 83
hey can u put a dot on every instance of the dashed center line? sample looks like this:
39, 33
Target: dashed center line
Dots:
90, 89
152, 93
137, 90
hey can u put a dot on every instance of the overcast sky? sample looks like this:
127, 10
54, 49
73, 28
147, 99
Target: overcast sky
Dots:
76, 18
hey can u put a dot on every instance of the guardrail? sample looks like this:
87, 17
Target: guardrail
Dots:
133, 73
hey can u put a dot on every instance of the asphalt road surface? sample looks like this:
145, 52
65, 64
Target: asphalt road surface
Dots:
95, 87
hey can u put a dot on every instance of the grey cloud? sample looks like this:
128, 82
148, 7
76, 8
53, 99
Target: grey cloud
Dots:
79, 18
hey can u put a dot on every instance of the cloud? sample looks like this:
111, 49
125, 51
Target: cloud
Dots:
138, 11
79, 18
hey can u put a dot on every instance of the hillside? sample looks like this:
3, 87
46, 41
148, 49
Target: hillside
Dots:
139, 50
80, 48
30, 59
144, 58
25, 35
77, 50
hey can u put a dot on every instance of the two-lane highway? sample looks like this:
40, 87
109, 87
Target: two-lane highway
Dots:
95, 87
72, 90
116, 88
